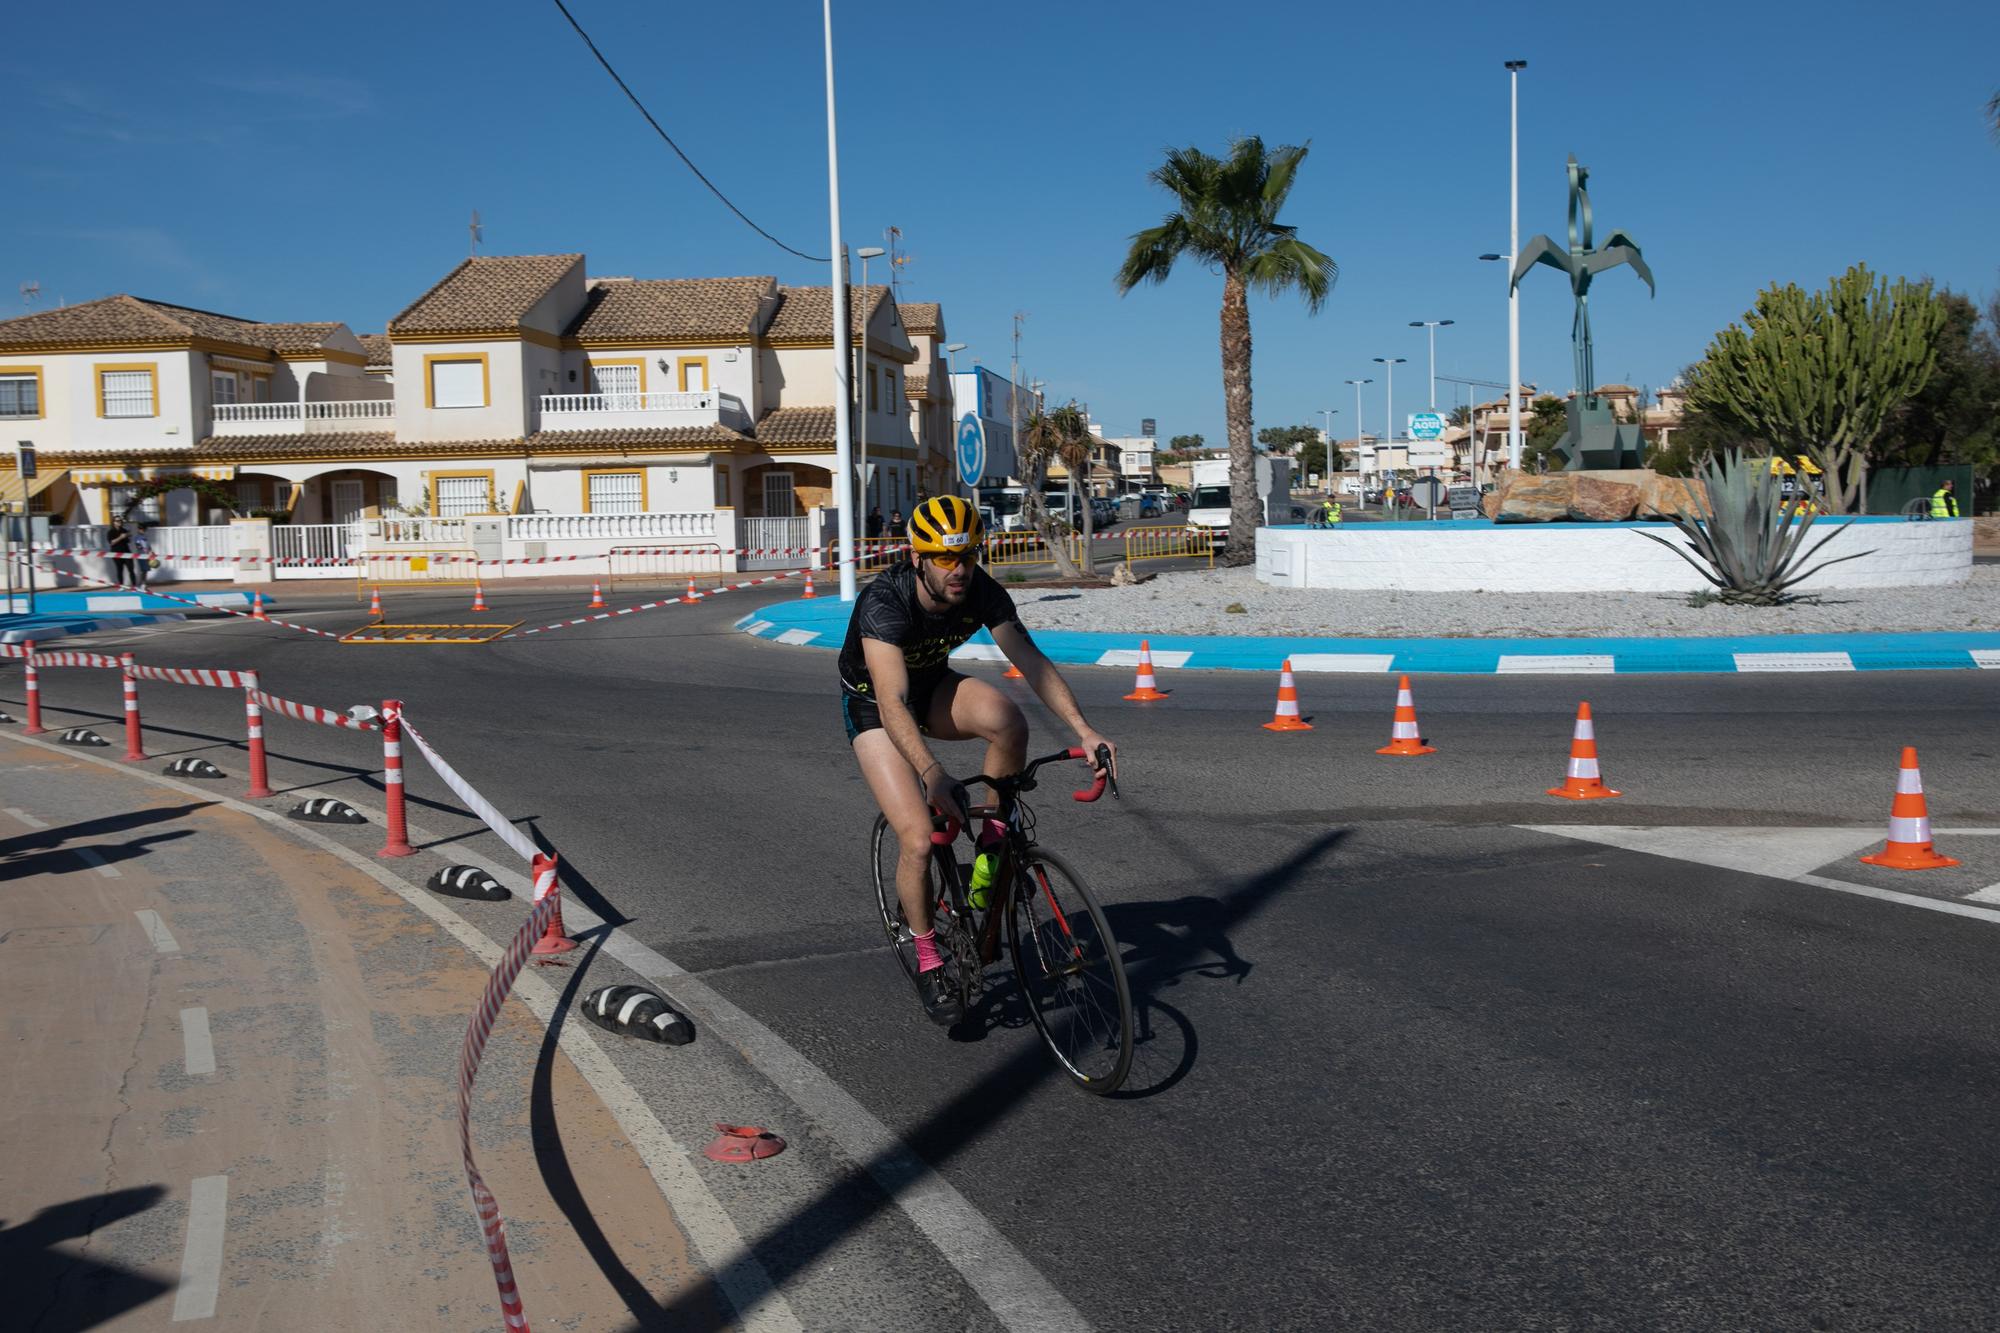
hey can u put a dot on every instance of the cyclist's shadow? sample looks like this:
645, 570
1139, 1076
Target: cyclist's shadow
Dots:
1162, 943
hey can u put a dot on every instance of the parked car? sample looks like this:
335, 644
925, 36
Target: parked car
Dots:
1151, 505
1103, 511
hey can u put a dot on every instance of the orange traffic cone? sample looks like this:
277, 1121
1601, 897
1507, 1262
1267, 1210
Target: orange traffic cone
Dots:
1287, 717
596, 596
478, 595
257, 606
692, 595
1909, 845
1012, 673
1583, 782
1404, 738
809, 582
1146, 689
555, 939
375, 603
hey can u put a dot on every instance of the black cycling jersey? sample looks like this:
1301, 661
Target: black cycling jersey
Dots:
888, 610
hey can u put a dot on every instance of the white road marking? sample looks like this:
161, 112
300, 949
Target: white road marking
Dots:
25, 817
1373, 663
755, 626
798, 636
1989, 894
1162, 657
1793, 661
1988, 659
1017, 1293
201, 1257
156, 930
90, 857
1572, 664
200, 1047
978, 652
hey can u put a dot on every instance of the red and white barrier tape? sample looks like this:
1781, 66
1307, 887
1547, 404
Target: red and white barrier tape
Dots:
265, 619
479, 805
75, 659
326, 717
653, 606
13, 650
226, 680
457, 558
484, 1205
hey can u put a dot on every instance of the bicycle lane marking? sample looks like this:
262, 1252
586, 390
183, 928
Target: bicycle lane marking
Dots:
734, 1267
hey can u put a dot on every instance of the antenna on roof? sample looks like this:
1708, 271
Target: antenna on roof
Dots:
31, 292
478, 232
893, 237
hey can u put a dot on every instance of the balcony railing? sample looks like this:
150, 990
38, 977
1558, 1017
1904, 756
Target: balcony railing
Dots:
304, 418
565, 404
639, 411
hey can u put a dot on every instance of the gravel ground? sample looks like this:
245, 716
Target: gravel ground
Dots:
1198, 603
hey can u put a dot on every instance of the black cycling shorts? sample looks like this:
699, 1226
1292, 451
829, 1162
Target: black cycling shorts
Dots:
858, 714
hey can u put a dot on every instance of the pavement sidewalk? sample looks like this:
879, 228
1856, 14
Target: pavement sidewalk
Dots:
235, 1091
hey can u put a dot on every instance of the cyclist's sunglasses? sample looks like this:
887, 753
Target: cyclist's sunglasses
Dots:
950, 559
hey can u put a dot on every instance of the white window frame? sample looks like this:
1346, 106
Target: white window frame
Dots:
466, 378
216, 380
780, 483
454, 493
615, 492
132, 401
34, 386
618, 385
118, 497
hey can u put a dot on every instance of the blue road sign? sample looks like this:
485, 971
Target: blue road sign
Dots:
971, 449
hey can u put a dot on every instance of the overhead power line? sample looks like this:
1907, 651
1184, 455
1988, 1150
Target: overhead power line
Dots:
668, 138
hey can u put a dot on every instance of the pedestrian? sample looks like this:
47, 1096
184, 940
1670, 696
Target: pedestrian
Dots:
1329, 513
142, 555
1944, 500
875, 523
896, 524
119, 544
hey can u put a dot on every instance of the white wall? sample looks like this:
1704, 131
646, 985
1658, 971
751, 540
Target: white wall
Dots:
1581, 557
503, 417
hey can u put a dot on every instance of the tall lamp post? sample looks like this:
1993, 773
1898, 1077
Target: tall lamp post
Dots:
866, 253
1433, 325
1326, 463
1360, 436
843, 426
1514, 68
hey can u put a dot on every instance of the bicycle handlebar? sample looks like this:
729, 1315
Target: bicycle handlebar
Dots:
1025, 780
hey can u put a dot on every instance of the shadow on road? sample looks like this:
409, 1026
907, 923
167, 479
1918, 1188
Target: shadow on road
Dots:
58, 1291
96, 828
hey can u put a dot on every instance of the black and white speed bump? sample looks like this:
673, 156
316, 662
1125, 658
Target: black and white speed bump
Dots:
467, 882
326, 810
6, 717
81, 736
193, 767
634, 1011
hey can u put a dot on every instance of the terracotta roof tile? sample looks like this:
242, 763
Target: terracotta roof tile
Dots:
377, 347
671, 310
805, 314
484, 294
139, 323
636, 439
797, 425
917, 386
273, 448
923, 317
294, 338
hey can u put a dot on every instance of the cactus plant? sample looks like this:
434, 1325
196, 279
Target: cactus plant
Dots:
1749, 537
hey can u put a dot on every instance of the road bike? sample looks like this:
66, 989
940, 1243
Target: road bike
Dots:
1066, 959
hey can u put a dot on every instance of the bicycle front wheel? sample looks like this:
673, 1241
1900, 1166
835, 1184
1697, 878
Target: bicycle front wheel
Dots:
1071, 974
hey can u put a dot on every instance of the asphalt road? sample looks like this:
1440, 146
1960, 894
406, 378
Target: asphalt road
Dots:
1405, 1064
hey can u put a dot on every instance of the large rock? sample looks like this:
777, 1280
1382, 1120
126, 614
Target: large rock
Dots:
1536, 499
1593, 498
1660, 495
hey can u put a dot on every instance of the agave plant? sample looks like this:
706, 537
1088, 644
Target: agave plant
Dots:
1749, 540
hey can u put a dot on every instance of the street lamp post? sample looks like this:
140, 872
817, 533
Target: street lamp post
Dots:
1514, 68
1326, 461
866, 253
1360, 436
1433, 325
1389, 395
843, 446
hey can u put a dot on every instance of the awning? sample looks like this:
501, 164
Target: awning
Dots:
46, 477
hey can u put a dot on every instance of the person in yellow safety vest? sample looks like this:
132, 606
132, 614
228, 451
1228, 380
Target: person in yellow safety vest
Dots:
1329, 513
1944, 501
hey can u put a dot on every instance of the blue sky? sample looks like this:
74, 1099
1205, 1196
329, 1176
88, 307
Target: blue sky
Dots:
290, 162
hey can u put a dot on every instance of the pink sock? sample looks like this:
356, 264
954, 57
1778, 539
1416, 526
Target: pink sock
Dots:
993, 833
927, 955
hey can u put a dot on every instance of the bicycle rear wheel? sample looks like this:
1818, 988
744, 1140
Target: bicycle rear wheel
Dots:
943, 875
1071, 974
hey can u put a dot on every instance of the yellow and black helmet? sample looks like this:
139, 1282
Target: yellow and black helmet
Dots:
945, 523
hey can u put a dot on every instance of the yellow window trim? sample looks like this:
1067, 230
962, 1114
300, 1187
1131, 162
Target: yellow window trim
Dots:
645, 504
688, 361
638, 361
41, 401
431, 479
485, 375
152, 368
520, 495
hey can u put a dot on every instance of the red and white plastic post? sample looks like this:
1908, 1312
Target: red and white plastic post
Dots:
555, 939
32, 686
135, 747
398, 841
253, 714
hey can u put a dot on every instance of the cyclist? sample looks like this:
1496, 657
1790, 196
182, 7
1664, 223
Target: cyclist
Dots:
898, 693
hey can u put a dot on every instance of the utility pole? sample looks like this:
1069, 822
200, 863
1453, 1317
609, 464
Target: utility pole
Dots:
1014, 402
1514, 68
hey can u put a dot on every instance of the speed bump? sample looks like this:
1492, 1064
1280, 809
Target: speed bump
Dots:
194, 767
469, 633
467, 882
634, 1011
326, 810
81, 736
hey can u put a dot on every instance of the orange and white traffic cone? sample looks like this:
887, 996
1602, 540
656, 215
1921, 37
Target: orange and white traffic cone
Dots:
596, 596
1146, 689
809, 582
1287, 717
375, 603
555, 939
478, 595
691, 595
1012, 673
1404, 738
1583, 782
1909, 845
257, 606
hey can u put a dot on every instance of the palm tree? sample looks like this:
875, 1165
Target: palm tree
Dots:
1043, 437
1075, 445
1227, 218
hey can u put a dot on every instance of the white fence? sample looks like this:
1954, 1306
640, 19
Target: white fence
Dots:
694, 525
285, 418
562, 404
314, 541
784, 534
414, 531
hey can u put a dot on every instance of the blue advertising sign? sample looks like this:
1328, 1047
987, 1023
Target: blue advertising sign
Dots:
971, 449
